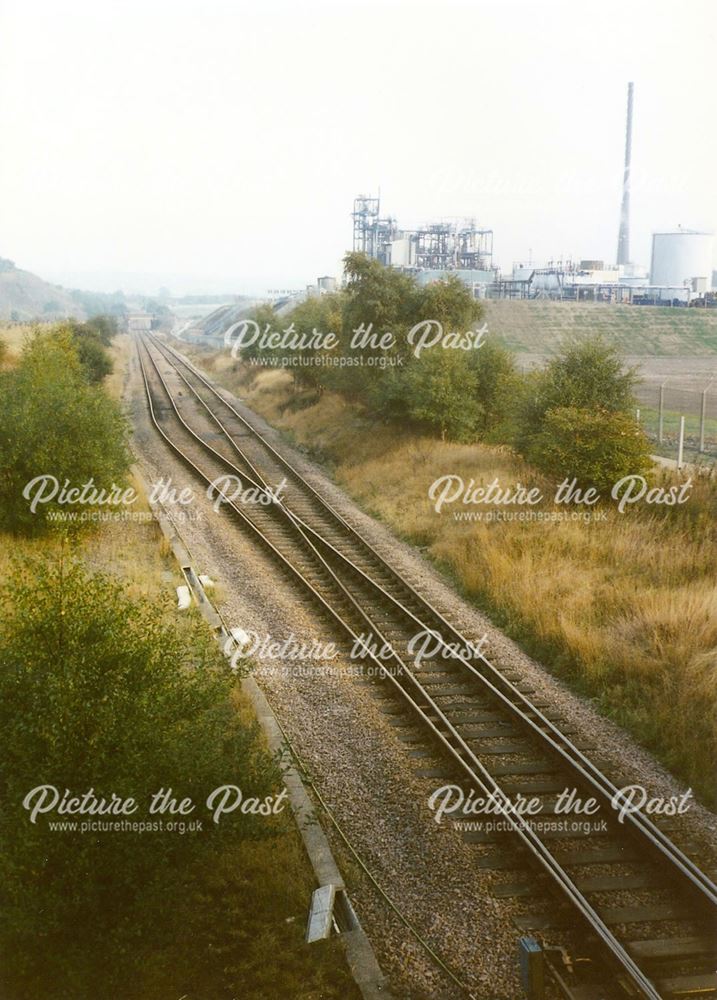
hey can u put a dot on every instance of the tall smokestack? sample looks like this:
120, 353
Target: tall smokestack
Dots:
623, 239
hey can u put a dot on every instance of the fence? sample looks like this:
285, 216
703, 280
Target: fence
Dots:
662, 409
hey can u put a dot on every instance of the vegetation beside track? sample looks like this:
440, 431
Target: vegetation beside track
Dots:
93, 653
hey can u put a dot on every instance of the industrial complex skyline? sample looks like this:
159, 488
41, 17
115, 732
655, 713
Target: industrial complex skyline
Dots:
223, 152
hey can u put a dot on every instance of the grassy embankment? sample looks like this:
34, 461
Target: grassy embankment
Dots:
636, 330
244, 922
626, 610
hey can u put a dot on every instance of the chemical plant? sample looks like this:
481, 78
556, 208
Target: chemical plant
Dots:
680, 274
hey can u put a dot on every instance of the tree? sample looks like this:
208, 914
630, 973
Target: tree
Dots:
498, 388
53, 422
449, 301
443, 391
104, 326
323, 315
91, 340
102, 692
385, 300
596, 447
378, 300
381, 296
93, 356
587, 375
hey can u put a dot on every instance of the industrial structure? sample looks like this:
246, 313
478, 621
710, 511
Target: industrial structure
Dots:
430, 251
372, 234
623, 239
681, 271
683, 257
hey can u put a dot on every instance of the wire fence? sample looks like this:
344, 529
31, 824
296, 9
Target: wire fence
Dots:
660, 413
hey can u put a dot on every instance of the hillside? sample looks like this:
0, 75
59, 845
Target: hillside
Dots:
538, 327
24, 296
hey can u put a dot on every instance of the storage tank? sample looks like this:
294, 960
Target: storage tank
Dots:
680, 256
401, 252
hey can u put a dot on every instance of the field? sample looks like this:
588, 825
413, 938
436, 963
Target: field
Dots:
625, 610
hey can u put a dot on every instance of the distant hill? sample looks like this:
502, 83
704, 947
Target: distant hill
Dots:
24, 296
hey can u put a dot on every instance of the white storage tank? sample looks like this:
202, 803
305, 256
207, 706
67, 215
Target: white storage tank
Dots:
681, 256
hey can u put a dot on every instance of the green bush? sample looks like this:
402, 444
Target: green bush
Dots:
587, 375
53, 422
498, 389
91, 340
98, 691
596, 447
442, 391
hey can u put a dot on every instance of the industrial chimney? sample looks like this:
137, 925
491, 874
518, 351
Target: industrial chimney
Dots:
623, 239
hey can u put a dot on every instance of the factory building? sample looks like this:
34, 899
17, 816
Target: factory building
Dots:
589, 281
430, 252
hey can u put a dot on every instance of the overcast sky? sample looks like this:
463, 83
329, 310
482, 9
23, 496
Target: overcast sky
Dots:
220, 145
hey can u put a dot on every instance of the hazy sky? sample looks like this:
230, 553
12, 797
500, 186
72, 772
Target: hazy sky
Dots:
220, 145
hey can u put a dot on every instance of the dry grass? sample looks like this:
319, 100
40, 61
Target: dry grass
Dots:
120, 353
13, 335
626, 610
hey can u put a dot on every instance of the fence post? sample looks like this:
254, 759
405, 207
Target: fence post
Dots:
660, 417
703, 412
681, 445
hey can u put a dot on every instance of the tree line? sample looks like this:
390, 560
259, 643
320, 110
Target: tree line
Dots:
574, 417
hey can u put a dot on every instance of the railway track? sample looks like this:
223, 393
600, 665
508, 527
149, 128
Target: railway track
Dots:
658, 943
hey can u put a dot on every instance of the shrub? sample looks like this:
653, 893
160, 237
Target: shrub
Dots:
587, 375
100, 692
91, 340
596, 447
442, 393
93, 356
498, 388
53, 422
